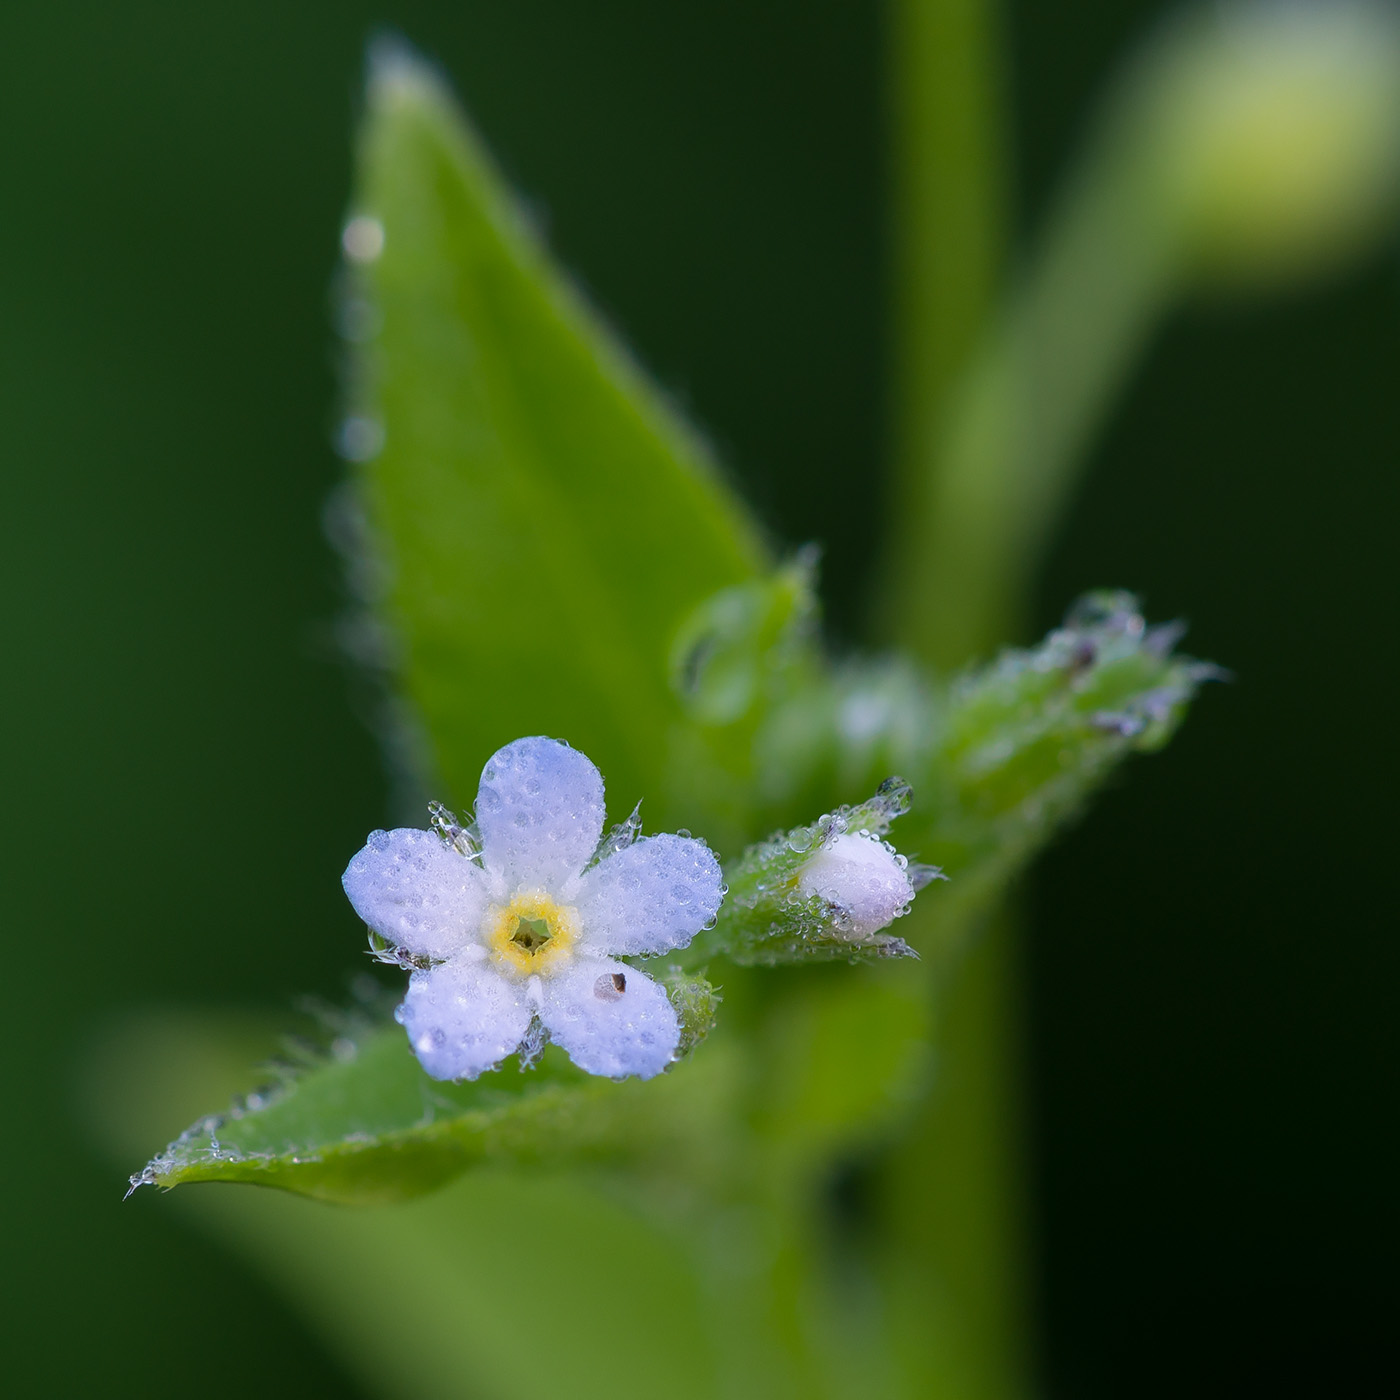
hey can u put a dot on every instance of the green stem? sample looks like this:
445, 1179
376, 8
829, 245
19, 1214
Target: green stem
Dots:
948, 230
952, 1193
1019, 421
993, 416
952, 1272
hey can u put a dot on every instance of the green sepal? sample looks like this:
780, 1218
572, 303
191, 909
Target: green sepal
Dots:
696, 1004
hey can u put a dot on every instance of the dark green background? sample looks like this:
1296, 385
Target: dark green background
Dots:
1211, 973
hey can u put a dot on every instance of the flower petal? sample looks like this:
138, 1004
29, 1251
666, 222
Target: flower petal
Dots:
463, 1018
413, 889
610, 1018
864, 878
540, 813
653, 896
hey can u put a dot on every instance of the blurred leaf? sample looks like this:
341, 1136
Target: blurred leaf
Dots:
504, 1286
844, 732
540, 523
848, 1056
363, 1123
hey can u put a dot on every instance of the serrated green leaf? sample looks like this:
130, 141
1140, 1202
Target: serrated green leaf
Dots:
542, 523
363, 1123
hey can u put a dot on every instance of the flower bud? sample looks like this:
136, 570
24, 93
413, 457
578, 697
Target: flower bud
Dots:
1274, 133
820, 892
863, 878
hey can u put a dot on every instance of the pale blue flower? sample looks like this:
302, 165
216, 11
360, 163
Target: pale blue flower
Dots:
524, 929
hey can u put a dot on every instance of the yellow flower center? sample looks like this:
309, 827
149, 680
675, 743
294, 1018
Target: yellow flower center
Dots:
532, 934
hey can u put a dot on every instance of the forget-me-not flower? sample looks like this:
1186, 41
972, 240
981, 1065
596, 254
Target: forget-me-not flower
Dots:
526, 928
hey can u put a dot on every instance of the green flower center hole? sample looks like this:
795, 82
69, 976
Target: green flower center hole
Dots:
531, 934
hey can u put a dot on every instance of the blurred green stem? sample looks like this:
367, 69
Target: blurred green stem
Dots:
994, 411
952, 1193
949, 197
951, 1278
1000, 464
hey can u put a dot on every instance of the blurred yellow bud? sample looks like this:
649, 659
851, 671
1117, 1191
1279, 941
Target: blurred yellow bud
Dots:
1274, 132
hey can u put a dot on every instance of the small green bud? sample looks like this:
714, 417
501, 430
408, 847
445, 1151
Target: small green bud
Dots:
1273, 134
731, 647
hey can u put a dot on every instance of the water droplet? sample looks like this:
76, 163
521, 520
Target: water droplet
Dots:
359, 438
363, 239
358, 319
